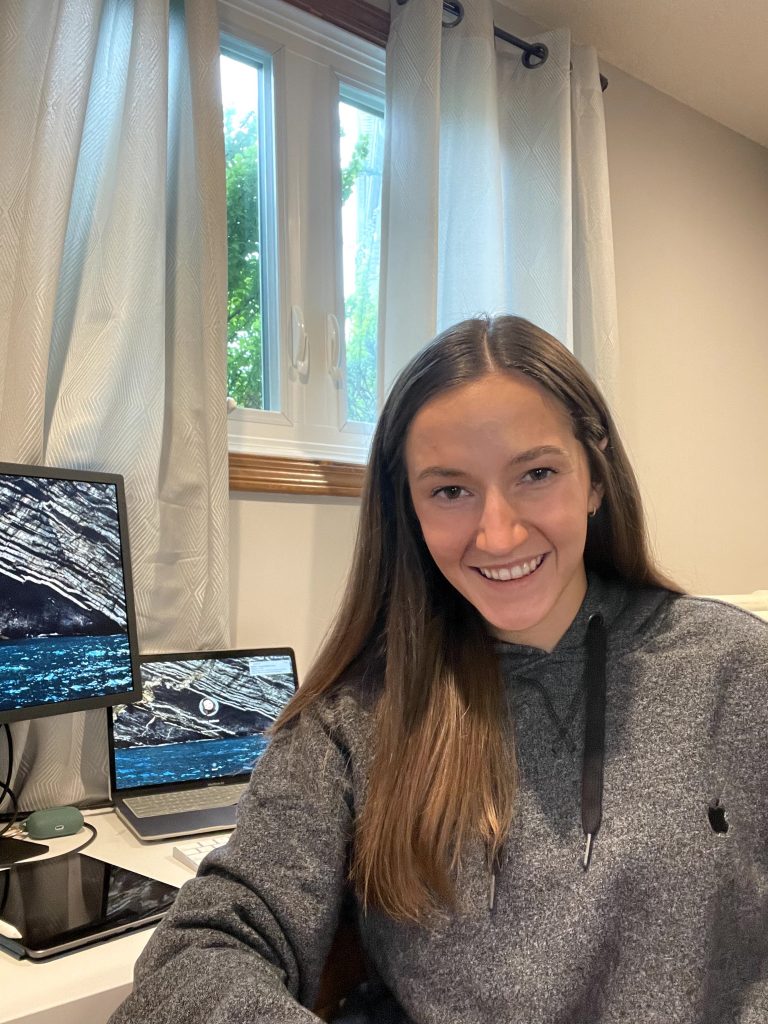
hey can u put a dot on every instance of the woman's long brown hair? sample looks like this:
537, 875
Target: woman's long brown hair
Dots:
443, 766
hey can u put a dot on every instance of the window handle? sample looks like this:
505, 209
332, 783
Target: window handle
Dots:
333, 348
299, 342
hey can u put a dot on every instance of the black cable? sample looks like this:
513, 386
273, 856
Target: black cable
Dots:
86, 825
7, 784
6, 791
94, 833
5, 876
78, 849
5, 787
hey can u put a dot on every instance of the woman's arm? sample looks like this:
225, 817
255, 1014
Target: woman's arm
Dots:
246, 940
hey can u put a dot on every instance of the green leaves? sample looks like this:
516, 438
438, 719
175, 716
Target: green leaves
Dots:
362, 304
244, 327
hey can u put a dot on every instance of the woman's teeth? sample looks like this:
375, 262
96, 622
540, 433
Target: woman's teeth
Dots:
515, 572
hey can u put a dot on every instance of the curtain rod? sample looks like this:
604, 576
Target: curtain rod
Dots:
534, 54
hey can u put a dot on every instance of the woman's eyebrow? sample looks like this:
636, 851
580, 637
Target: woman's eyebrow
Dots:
441, 471
537, 453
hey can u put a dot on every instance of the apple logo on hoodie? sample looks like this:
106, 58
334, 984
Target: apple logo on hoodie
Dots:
716, 814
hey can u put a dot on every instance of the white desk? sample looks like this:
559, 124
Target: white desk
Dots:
85, 986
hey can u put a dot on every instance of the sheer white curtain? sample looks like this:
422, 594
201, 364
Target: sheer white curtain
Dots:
497, 197
113, 309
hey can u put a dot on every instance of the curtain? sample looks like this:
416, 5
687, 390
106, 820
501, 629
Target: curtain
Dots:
496, 197
113, 310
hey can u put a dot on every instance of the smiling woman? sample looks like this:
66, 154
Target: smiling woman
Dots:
512, 699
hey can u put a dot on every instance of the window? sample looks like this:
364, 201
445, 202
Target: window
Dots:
304, 136
361, 121
252, 364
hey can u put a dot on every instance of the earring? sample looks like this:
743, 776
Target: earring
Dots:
592, 513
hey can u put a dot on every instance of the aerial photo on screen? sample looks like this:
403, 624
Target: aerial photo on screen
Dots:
63, 615
199, 718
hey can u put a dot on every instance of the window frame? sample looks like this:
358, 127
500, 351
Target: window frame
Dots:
288, 474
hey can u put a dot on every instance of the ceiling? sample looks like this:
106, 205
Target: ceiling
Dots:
710, 54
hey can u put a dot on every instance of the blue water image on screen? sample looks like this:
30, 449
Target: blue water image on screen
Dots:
63, 603
186, 762
48, 670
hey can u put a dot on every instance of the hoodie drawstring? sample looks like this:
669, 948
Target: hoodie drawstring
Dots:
594, 735
594, 686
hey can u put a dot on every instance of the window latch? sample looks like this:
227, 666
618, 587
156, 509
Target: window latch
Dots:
333, 351
299, 342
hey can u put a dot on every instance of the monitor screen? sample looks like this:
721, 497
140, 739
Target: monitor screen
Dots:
67, 627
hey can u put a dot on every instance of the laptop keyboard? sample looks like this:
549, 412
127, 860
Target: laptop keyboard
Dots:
152, 805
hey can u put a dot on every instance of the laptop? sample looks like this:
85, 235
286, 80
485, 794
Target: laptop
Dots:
180, 758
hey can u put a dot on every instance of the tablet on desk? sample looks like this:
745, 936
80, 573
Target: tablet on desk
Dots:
53, 906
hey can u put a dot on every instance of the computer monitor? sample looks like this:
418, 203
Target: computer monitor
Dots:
67, 624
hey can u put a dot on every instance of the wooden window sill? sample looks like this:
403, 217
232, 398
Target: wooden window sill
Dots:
278, 475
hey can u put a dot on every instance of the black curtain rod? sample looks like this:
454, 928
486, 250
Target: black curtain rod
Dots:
534, 54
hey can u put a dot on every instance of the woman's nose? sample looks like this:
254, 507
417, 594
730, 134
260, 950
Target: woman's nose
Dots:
501, 528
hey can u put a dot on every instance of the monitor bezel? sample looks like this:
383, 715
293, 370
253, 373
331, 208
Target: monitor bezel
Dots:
35, 711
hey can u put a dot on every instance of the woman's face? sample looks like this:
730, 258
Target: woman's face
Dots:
502, 490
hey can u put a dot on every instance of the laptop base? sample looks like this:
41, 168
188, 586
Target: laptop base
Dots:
174, 826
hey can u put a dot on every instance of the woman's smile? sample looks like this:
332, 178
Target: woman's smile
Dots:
517, 571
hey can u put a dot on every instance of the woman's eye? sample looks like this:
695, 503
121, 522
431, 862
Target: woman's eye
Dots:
539, 474
451, 493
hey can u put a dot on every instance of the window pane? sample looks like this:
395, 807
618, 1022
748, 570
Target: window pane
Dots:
251, 373
362, 156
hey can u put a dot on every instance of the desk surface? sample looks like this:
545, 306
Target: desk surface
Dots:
88, 984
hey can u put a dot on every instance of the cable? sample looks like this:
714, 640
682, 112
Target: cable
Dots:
5, 787
5, 875
94, 833
7, 784
21, 834
6, 791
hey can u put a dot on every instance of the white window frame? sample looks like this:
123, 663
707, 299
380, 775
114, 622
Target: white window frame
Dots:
310, 58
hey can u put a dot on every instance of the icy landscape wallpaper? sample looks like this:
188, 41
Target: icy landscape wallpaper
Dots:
199, 718
63, 629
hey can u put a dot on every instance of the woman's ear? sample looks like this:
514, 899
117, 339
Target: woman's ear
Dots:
595, 498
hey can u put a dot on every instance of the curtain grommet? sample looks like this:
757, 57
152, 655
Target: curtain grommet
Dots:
453, 11
535, 56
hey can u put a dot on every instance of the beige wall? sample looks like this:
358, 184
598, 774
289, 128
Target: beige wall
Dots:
690, 221
289, 558
690, 212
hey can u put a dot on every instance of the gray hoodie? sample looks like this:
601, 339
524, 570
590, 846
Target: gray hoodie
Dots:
669, 923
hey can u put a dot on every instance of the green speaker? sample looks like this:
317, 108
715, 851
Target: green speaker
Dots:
56, 821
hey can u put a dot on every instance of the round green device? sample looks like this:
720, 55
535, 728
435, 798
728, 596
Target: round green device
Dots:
54, 822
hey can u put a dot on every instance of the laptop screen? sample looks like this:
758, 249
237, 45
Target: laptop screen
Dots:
202, 716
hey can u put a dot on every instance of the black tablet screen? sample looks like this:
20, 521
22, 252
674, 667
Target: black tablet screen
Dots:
66, 901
